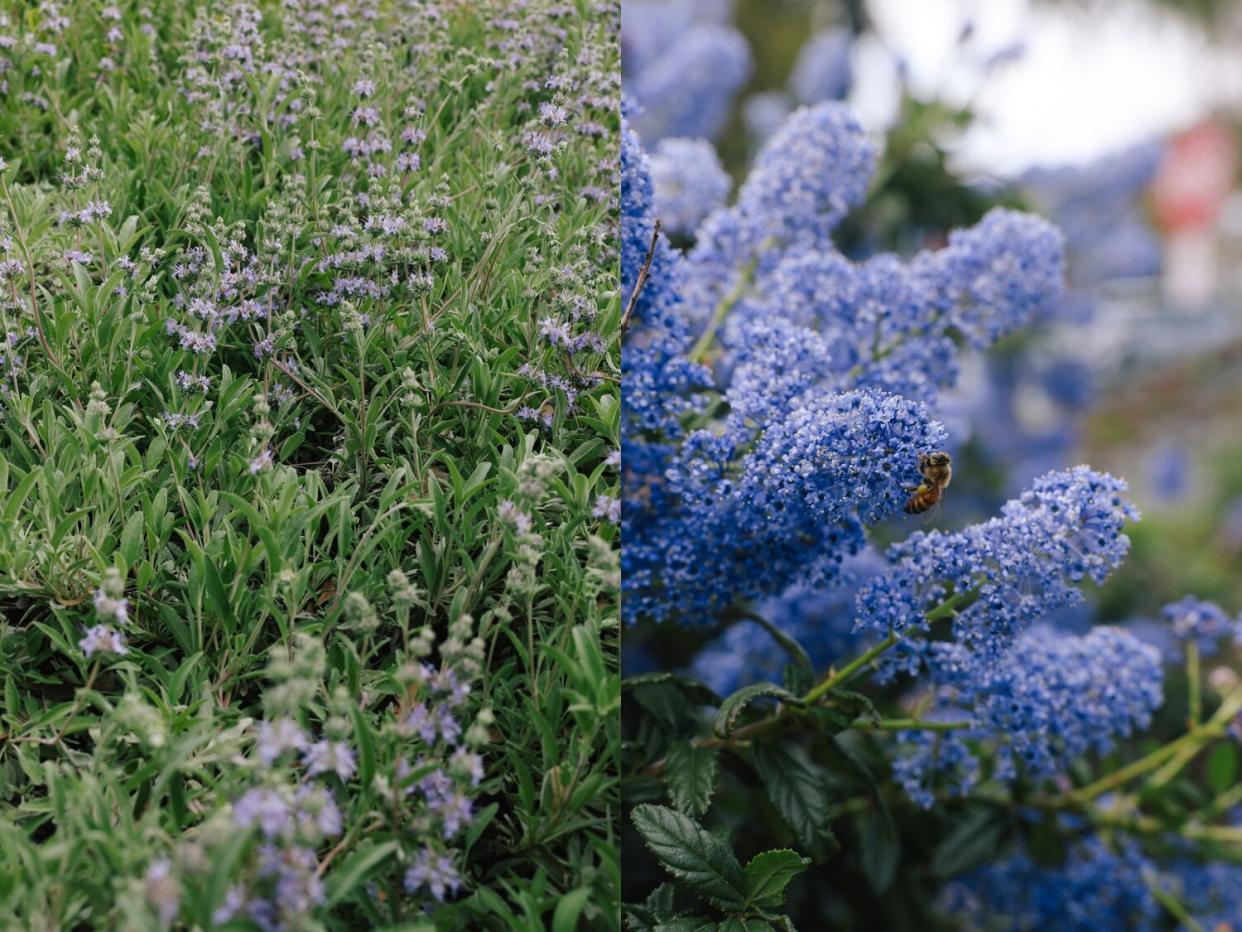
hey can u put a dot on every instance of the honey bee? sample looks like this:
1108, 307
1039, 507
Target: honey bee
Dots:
936, 469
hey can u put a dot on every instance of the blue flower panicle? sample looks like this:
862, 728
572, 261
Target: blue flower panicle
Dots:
1097, 889
1052, 698
822, 70
1019, 565
1204, 623
739, 515
688, 89
689, 183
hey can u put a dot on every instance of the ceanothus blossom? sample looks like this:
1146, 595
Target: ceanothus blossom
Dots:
1052, 698
689, 183
1009, 570
1204, 623
822, 70
688, 89
1099, 888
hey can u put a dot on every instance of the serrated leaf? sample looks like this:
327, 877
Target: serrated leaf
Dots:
736, 924
735, 704
688, 924
769, 873
691, 776
692, 855
660, 900
879, 848
972, 842
796, 788
691, 688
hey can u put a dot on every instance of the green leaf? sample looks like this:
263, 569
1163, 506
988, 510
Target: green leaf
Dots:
1222, 766
479, 823
736, 924
879, 848
796, 788
769, 873
224, 868
691, 776
355, 869
569, 909
692, 689
688, 924
218, 595
131, 539
366, 745
692, 854
973, 840
734, 705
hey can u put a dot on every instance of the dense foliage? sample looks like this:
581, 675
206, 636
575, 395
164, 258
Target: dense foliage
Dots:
309, 428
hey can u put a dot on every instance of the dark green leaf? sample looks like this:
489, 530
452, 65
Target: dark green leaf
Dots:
692, 854
692, 689
355, 869
691, 776
879, 849
736, 704
569, 909
769, 873
796, 788
803, 668
972, 842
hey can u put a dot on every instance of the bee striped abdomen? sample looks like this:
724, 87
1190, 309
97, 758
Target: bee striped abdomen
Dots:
922, 498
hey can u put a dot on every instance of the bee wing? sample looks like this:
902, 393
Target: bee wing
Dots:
934, 510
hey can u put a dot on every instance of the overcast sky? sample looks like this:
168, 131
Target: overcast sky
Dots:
1089, 82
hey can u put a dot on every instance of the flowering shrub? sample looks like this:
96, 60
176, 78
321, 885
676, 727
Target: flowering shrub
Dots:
309, 431
885, 702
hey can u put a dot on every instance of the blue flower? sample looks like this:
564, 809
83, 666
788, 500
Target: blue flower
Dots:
688, 89
689, 183
822, 70
1096, 889
1021, 564
1203, 622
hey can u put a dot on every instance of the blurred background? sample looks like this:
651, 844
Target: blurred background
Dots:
1120, 120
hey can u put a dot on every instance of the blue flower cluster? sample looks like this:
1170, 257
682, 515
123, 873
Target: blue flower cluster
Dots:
1017, 566
760, 474
1052, 698
1204, 623
683, 64
1099, 887
689, 181
1098, 208
1096, 889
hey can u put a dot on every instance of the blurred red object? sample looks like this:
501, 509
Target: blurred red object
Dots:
1195, 176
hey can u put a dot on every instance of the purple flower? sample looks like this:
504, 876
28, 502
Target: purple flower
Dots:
330, 756
277, 737
433, 871
102, 639
266, 807
606, 506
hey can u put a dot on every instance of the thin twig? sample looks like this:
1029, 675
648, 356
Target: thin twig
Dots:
642, 278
